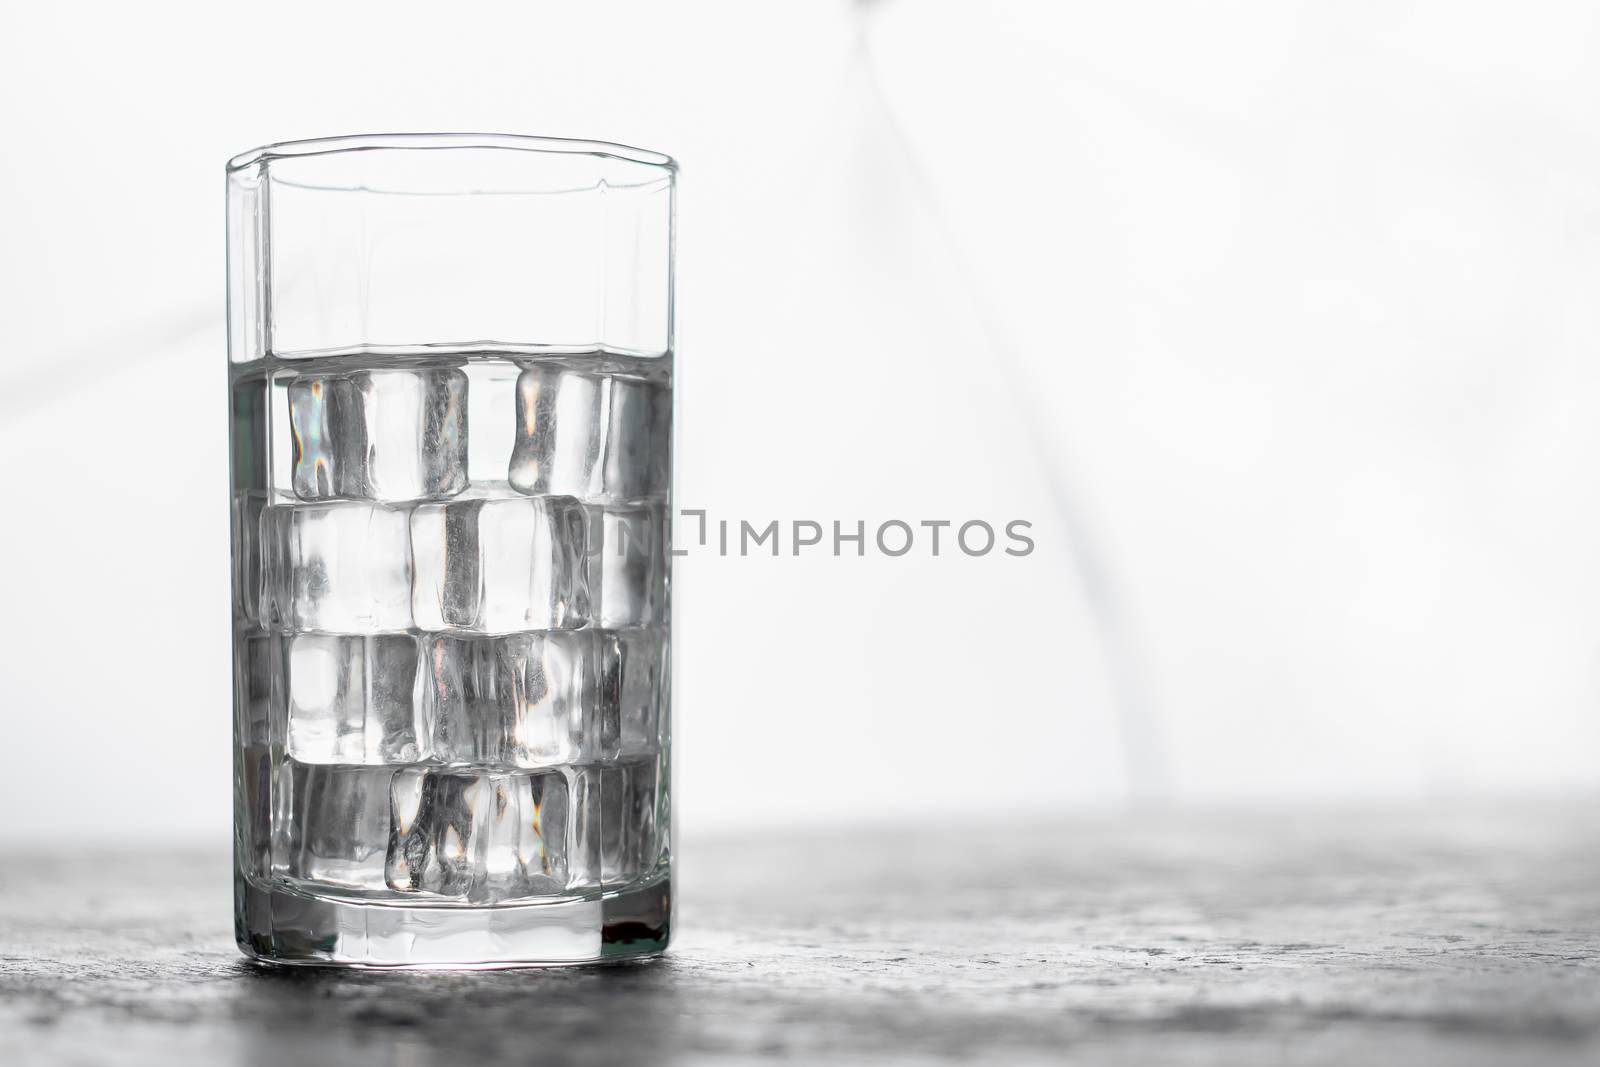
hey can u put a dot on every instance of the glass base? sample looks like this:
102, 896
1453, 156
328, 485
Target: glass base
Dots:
280, 926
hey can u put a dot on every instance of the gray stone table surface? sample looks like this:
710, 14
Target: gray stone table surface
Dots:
1467, 936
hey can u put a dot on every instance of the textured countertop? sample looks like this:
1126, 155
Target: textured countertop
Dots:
1374, 937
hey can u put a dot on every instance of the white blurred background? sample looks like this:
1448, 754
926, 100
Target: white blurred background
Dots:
1278, 320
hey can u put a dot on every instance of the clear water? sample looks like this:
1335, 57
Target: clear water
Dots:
451, 625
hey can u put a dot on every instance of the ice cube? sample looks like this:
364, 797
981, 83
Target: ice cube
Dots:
645, 814
455, 805
491, 412
257, 685
594, 437
614, 836
343, 567
500, 566
249, 574
628, 566
407, 866
355, 700
525, 837
638, 432
560, 433
250, 450
318, 417
528, 700
450, 686
389, 435
635, 664
252, 798
335, 824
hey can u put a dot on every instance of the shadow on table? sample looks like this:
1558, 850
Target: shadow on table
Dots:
614, 1013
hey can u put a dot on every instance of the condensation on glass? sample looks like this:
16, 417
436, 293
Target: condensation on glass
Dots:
450, 372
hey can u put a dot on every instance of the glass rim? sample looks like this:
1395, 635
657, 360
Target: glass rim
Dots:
516, 142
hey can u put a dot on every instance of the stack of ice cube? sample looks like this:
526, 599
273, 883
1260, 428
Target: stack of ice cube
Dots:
451, 671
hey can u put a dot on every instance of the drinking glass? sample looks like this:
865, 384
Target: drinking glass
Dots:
450, 373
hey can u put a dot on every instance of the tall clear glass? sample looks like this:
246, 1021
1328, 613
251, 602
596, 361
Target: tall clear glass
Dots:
450, 374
